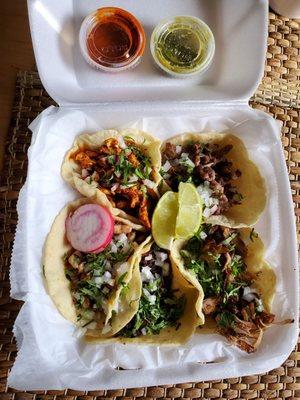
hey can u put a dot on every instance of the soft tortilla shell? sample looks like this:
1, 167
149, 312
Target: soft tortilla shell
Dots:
167, 336
58, 285
250, 184
71, 170
264, 276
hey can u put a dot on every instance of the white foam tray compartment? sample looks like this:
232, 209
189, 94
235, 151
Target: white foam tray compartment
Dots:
70, 363
240, 29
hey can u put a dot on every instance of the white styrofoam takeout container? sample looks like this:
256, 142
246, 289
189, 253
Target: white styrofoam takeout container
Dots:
106, 101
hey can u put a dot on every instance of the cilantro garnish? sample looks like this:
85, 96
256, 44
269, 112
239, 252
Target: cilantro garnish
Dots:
226, 320
153, 316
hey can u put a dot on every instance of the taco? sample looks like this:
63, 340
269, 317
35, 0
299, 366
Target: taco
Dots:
88, 262
166, 312
227, 266
229, 183
120, 168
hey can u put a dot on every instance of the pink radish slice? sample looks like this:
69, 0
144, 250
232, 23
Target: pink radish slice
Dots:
90, 228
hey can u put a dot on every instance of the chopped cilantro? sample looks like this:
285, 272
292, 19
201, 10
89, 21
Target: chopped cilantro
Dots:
226, 320
152, 317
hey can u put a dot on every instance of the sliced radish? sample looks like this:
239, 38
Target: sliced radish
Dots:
90, 228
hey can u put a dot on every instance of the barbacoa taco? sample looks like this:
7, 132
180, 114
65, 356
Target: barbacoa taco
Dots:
227, 266
120, 168
165, 302
88, 263
229, 183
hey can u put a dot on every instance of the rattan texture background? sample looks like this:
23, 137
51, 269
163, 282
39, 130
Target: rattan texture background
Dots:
281, 82
30, 100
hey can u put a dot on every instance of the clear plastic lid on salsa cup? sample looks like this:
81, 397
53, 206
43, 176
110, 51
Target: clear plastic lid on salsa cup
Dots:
112, 39
182, 46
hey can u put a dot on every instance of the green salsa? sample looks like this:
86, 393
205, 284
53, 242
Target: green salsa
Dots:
183, 46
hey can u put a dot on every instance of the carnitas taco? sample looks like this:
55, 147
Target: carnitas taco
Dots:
229, 183
165, 302
88, 263
227, 266
120, 168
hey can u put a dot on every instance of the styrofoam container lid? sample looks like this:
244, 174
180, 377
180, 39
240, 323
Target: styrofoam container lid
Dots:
239, 27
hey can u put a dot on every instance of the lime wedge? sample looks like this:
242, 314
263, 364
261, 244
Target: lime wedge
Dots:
189, 216
164, 220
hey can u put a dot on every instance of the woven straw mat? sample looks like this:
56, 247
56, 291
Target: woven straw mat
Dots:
31, 99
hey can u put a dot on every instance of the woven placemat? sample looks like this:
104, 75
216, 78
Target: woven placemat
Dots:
281, 84
30, 100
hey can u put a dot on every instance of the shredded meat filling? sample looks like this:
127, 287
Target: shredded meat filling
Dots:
218, 262
119, 170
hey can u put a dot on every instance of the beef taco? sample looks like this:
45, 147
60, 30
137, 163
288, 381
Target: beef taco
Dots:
120, 168
166, 312
88, 263
227, 266
229, 183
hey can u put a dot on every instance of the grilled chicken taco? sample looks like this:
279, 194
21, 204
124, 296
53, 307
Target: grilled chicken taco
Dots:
237, 286
88, 263
120, 168
166, 312
229, 183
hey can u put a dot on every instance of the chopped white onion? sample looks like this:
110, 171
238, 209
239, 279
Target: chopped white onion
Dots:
160, 255
123, 268
206, 212
111, 282
166, 166
113, 248
121, 239
178, 149
146, 274
118, 174
150, 297
259, 305
98, 280
107, 275
249, 294
133, 178
184, 159
203, 235
213, 209
122, 143
148, 257
149, 184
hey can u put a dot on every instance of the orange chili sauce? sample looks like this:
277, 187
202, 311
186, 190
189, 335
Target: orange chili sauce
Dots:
116, 37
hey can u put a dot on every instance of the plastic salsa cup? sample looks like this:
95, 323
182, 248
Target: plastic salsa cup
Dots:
183, 46
111, 39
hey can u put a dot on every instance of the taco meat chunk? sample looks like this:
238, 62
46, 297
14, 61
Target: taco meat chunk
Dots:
121, 170
216, 257
207, 167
